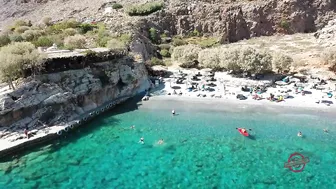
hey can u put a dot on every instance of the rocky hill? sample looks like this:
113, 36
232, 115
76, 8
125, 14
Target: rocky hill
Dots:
232, 20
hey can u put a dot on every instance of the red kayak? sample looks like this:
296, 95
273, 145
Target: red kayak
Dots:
243, 132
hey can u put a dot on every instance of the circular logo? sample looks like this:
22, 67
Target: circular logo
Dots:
296, 162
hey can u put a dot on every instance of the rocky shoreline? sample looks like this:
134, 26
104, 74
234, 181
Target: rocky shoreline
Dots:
50, 133
52, 103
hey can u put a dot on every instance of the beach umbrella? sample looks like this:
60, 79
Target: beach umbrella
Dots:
296, 80
281, 83
320, 87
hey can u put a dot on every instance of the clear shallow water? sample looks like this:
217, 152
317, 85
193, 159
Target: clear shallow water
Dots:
202, 150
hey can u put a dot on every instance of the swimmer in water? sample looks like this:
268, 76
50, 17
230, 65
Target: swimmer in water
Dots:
142, 140
325, 130
299, 134
160, 141
132, 127
173, 112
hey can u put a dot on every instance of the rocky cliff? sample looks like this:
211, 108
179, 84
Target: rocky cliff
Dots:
231, 20
56, 98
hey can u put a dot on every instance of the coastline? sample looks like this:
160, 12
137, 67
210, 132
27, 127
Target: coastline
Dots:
235, 105
8, 147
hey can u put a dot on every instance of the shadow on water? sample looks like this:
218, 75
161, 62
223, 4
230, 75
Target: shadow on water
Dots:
84, 130
252, 137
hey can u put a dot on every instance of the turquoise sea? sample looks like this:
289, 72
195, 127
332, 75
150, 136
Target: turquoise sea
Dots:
202, 149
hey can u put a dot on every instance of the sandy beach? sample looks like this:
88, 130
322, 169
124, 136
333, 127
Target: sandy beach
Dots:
225, 88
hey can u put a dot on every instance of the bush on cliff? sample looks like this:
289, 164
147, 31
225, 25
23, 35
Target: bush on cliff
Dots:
4, 40
17, 57
144, 9
43, 41
115, 44
70, 32
165, 53
21, 29
186, 55
75, 42
31, 35
155, 62
117, 6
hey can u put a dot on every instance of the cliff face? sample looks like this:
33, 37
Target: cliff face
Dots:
56, 98
230, 19
242, 20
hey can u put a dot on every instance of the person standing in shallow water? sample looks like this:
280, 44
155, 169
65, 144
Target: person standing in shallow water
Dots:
26, 132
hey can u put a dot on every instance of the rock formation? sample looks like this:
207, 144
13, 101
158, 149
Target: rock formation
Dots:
56, 98
230, 20
327, 35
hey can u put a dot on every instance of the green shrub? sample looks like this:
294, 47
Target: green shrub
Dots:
195, 33
237, 59
46, 21
60, 26
31, 35
17, 57
155, 62
165, 46
43, 41
186, 55
4, 40
329, 58
153, 35
16, 37
126, 38
70, 32
165, 53
90, 53
177, 41
209, 58
115, 44
58, 39
102, 41
21, 23
21, 29
75, 42
208, 42
284, 24
117, 6
84, 28
281, 63
144, 9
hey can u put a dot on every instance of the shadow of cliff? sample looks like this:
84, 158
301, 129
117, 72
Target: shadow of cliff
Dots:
104, 120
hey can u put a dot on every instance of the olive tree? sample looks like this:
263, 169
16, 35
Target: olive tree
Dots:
281, 62
17, 57
187, 55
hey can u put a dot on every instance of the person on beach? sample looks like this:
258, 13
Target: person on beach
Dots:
299, 134
160, 141
173, 112
142, 140
26, 132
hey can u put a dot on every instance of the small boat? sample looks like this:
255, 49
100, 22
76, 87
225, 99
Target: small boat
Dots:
243, 132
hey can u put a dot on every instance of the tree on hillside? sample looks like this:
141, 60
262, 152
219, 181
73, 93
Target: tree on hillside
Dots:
17, 57
281, 62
